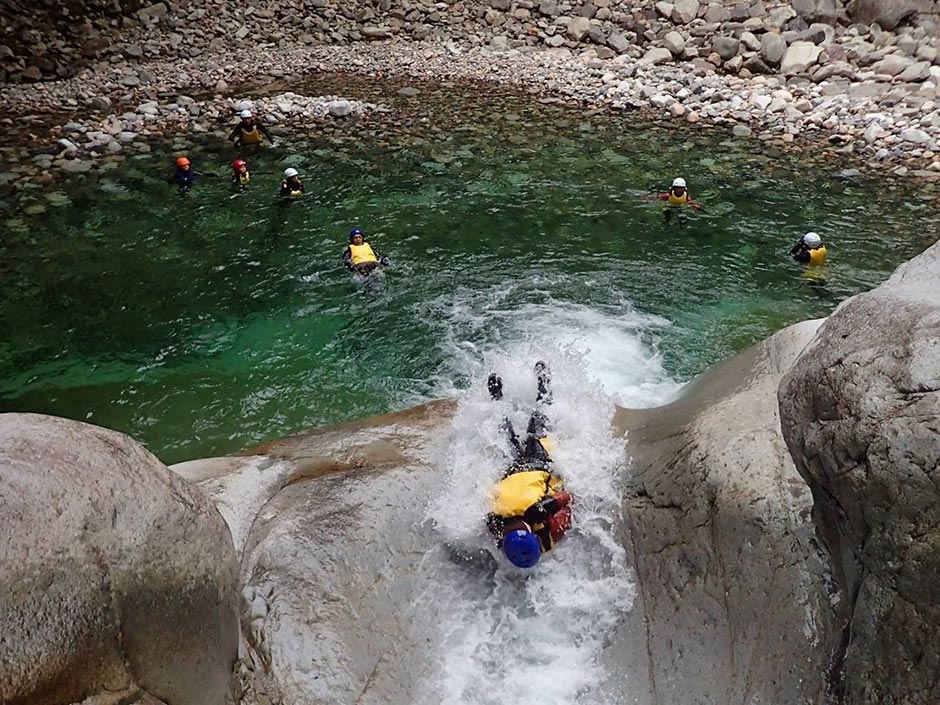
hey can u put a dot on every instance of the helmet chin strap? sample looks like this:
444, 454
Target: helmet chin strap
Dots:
517, 525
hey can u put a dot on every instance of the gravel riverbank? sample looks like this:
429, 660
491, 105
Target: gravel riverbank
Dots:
789, 73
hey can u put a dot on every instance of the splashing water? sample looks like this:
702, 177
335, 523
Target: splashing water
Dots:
536, 636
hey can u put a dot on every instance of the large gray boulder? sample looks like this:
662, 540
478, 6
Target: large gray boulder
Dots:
816, 10
731, 602
887, 13
334, 563
117, 578
799, 56
772, 48
861, 416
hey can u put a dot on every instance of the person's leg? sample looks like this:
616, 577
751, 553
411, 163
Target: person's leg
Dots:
494, 384
535, 452
544, 380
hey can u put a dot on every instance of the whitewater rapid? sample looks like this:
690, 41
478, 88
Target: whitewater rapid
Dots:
535, 637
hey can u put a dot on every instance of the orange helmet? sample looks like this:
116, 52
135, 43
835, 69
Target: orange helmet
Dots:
182, 161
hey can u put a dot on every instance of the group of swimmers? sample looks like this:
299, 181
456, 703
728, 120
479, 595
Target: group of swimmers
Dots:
361, 258
809, 249
247, 133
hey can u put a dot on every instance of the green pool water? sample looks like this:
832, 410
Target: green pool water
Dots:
203, 324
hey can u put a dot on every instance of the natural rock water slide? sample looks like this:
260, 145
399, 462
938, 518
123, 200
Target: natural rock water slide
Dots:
353, 589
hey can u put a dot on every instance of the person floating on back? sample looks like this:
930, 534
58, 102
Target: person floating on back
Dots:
291, 186
359, 256
185, 176
241, 177
809, 250
249, 131
676, 198
531, 510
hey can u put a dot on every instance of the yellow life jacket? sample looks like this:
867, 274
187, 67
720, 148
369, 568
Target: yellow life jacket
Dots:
516, 493
818, 255
675, 200
362, 253
252, 136
244, 179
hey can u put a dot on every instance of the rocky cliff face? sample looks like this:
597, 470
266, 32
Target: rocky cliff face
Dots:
732, 588
861, 416
117, 578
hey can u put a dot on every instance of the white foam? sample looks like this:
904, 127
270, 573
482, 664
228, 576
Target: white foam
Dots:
617, 343
535, 637
532, 636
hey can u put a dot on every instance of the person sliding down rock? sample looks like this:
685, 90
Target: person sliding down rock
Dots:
531, 509
359, 256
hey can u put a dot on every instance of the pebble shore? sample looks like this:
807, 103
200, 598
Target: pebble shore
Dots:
770, 71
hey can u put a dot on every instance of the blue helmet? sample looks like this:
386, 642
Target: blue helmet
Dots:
522, 548
353, 233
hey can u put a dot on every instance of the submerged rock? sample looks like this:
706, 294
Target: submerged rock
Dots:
118, 577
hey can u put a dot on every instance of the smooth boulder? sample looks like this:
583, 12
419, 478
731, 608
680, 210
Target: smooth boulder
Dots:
118, 578
861, 416
334, 564
731, 602
888, 14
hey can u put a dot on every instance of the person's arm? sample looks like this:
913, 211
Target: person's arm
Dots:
802, 256
540, 511
264, 131
347, 258
797, 247
236, 134
663, 196
693, 204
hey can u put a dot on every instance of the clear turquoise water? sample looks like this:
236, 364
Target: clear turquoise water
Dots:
202, 325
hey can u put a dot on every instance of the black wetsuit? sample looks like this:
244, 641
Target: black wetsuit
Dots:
289, 189
800, 252
527, 456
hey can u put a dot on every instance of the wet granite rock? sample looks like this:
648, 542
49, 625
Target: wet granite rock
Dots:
861, 415
118, 577
732, 598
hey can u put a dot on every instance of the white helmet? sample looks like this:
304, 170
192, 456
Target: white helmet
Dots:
289, 172
678, 181
812, 239
245, 114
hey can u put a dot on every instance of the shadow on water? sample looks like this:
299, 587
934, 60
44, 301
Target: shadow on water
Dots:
203, 324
